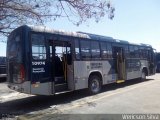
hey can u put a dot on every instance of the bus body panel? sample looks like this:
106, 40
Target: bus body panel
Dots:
70, 77
144, 63
81, 73
83, 69
133, 68
109, 75
42, 88
133, 75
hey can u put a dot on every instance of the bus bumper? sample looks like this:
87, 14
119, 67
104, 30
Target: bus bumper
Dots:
23, 87
28, 88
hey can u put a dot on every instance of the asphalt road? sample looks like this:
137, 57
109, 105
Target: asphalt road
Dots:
132, 97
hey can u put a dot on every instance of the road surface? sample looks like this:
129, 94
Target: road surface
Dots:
132, 97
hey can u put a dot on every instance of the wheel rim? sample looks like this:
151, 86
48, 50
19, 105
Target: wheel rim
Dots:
95, 85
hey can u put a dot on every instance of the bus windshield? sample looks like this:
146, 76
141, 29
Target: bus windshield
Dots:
13, 47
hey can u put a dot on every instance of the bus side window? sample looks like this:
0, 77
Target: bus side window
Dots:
126, 52
109, 50
141, 52
77, 51
150, 55
95, 50
144, 53
132, 52
103, 50
85, 49
136, 52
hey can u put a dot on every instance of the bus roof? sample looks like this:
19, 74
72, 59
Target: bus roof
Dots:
81, 35
53, 31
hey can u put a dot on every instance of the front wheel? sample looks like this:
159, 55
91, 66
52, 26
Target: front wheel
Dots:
94, 85
143, 76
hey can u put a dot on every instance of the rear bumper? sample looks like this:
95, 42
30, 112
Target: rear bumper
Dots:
23, 87
16, 87
35, 89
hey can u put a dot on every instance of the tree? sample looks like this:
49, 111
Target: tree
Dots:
18, 12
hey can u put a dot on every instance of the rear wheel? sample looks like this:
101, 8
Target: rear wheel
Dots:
95, 84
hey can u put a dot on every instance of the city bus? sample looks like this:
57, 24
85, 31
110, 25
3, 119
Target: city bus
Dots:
43, 61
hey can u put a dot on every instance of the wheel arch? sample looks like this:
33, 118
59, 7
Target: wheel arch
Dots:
145, 70
97, 73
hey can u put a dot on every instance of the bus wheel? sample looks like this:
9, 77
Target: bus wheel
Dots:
95, 84
143, 76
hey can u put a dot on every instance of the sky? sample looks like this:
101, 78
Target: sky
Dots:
136, 21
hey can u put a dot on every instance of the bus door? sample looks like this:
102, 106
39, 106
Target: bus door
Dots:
118, 55
60, 60
151, 62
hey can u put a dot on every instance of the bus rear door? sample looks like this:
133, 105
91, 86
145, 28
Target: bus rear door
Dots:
61, 66
118, 55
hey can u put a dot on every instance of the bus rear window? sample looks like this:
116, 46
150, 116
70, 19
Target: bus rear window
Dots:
38, 47
14, 47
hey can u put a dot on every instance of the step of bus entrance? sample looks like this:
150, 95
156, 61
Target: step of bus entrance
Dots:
61, 87
59, 80
120, 81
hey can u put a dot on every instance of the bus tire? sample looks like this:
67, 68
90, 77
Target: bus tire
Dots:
94, 85
143, 75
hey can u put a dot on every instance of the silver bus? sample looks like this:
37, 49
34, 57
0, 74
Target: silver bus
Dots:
44, 61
